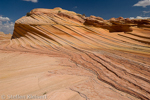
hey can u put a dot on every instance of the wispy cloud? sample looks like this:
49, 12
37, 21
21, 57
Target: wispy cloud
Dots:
75, 7
34, 1
139, 17
146, 12
5, 25
143, 3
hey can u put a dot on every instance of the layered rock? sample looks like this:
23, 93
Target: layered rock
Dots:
113, 25
1, 33
132, 22
69, 56
117, 24
4, 37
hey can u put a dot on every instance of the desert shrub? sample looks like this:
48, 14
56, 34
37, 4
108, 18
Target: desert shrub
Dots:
79, 15
59, 11
28, 14
83, 15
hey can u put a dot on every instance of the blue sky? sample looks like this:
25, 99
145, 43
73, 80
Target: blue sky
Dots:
11, 10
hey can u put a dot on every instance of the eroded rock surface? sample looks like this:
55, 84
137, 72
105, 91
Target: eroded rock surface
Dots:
52, 52
113, 25
4, 37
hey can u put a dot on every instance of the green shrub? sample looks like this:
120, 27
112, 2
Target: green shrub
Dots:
44, 93
59, 11
28, 14
83, 15
79, 15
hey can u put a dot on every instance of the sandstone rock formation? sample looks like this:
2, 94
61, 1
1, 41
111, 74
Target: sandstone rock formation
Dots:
5, 37
1, 33
117, 24
143, 23
113, 25
67, 56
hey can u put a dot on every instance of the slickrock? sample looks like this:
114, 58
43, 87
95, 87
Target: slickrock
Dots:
66, 56
143, 23
4, 37
1, 33
113, 25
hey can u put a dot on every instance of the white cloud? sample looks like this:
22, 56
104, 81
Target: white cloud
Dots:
146, 12
34, 1
4, 18
5, 25
139, 17
75, 7
143, 3
132, 18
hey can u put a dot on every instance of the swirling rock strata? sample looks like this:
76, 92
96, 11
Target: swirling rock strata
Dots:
58, 55
4, 38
